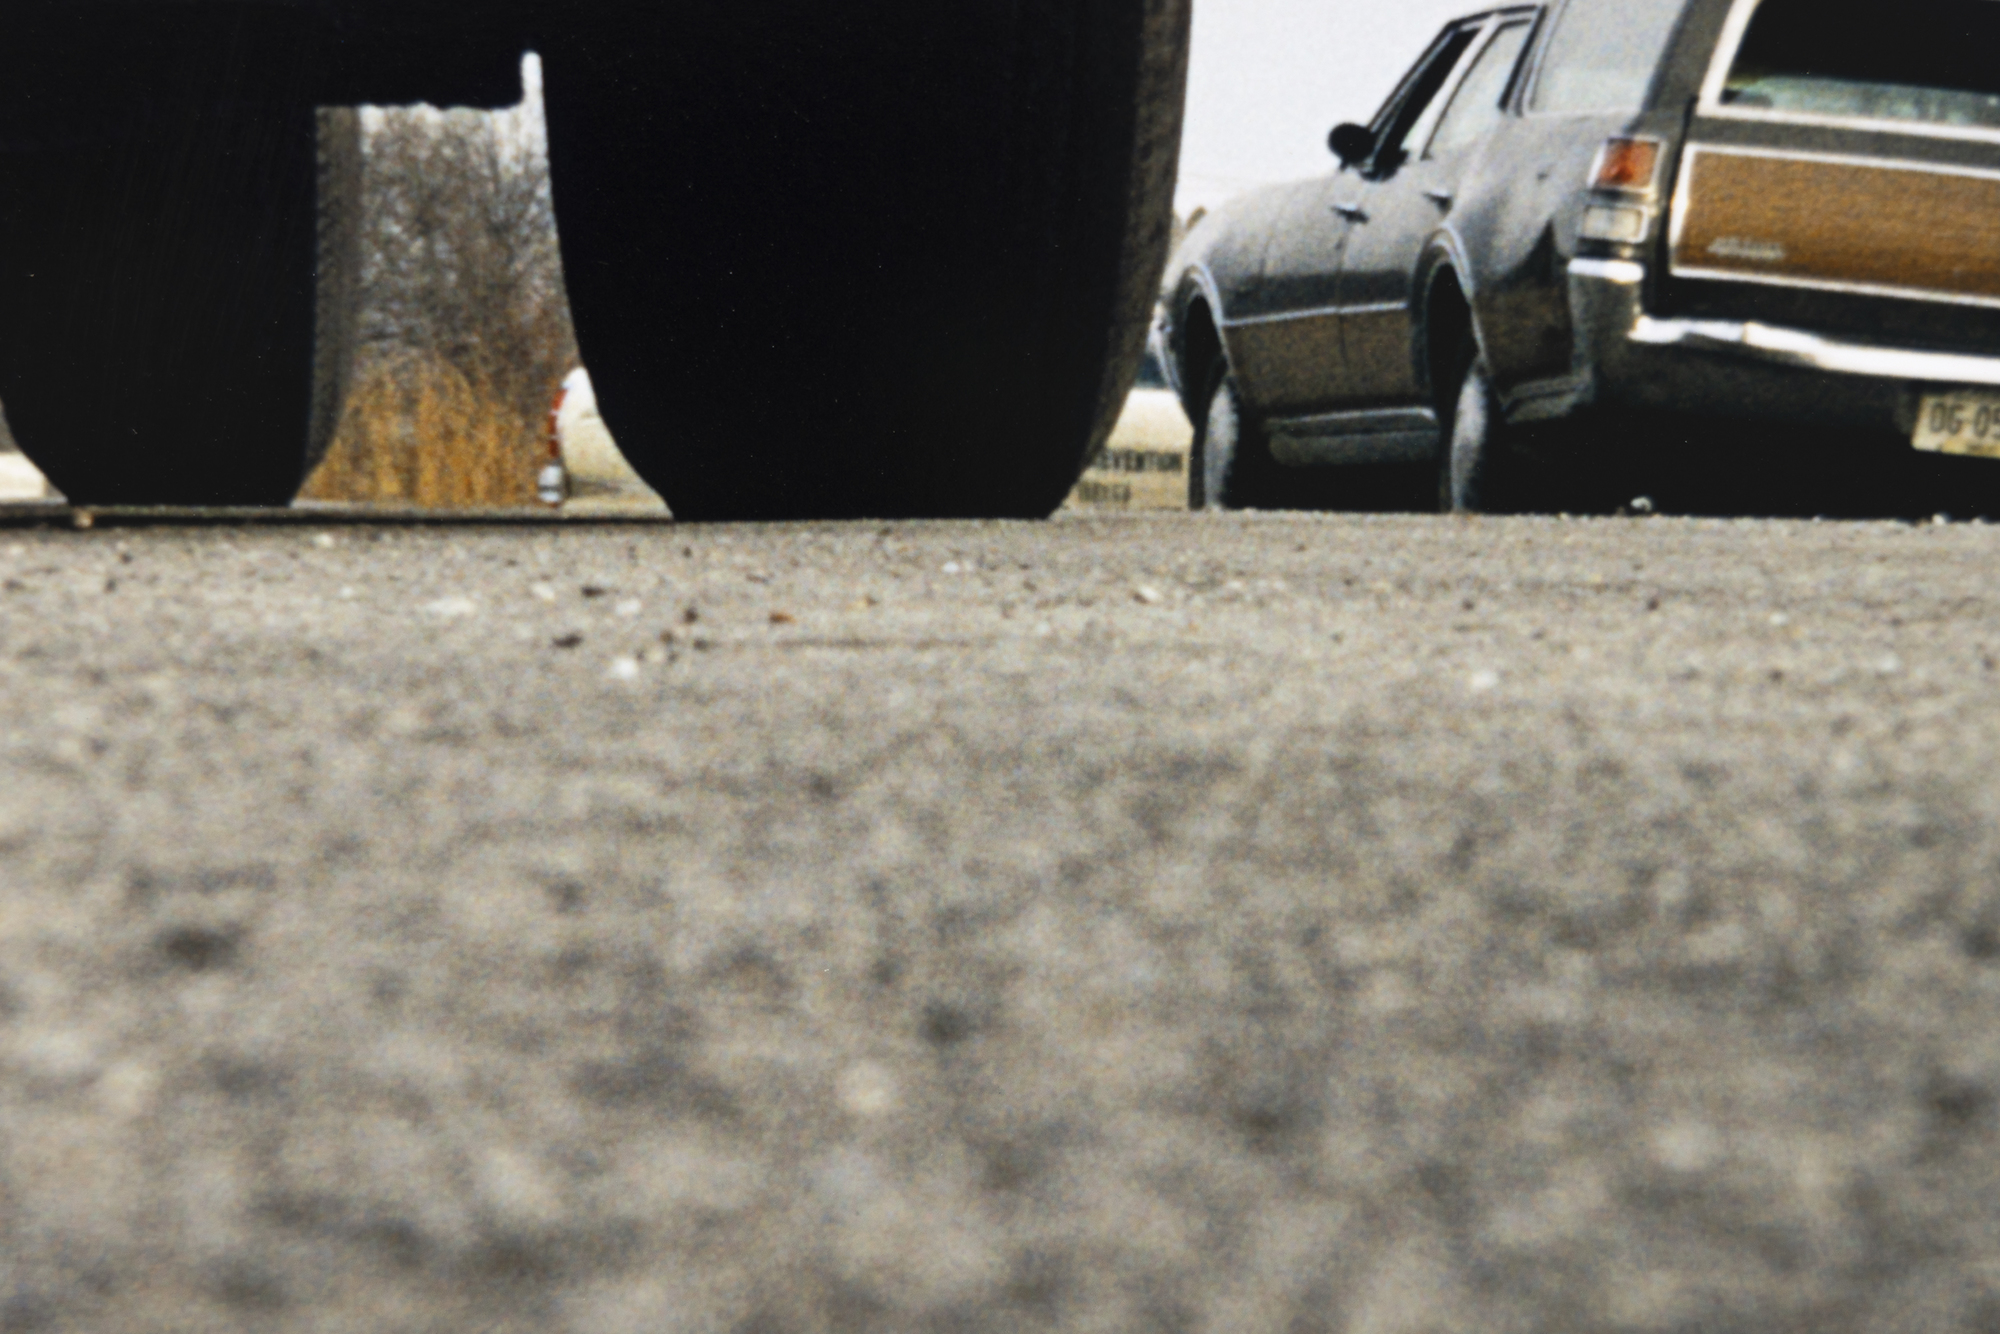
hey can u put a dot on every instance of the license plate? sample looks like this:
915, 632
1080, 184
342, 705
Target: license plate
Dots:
1963, 423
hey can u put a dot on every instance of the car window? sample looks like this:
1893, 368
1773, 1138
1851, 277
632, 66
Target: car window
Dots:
1603, 54
1405, 111
1475, 108
1934, 65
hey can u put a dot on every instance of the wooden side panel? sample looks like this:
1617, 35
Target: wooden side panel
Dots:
1287, 365
1839, 224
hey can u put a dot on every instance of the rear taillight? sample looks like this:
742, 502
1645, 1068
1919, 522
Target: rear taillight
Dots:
1627, 166
1620, 226
1624, 183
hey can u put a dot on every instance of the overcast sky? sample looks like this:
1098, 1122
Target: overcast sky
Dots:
1269, 78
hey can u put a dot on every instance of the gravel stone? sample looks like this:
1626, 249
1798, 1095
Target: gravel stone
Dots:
1399, 927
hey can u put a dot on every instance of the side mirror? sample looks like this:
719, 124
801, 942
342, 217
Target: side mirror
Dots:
1351, 143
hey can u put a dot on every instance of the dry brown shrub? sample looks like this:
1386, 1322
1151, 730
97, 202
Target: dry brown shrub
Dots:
418, 431
464, 325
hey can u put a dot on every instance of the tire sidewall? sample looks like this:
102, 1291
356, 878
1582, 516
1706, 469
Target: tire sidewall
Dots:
1215, 446
1474, 468
1230, 463
160, 297
962, 330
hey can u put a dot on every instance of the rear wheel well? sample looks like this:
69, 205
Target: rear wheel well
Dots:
1449, 345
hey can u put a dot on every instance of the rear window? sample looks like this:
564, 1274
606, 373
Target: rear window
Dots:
1932, 61
1603, 55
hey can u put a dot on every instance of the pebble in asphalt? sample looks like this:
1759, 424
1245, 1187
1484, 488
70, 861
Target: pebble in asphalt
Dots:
1389, 926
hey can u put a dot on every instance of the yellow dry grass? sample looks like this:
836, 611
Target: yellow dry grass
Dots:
417, 431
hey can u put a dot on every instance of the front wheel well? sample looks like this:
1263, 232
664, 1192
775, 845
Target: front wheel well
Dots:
1201, 350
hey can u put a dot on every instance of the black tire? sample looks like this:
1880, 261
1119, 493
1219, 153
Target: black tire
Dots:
827, 267
337, 294
156, 270
1230, 465
1479, 472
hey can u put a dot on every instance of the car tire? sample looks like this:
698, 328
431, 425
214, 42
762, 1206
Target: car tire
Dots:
337, 293
158, 283
827, 268
1230, 465
1479, 470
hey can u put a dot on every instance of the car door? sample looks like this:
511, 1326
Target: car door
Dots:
1287, 356
1288, 338
1588, 82
1395, 212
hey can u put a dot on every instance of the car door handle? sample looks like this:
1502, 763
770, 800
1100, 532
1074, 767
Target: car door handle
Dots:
1352, 212
1442, 198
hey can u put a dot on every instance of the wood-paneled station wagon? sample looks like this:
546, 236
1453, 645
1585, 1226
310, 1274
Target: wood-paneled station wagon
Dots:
1601, 227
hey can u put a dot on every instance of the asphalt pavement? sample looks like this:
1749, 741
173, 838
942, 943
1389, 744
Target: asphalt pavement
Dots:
1147, 923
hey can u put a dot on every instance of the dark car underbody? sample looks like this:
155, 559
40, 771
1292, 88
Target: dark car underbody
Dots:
903, 199
69, 55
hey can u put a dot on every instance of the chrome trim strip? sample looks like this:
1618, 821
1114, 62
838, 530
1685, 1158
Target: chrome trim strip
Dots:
1624, 272
1316, 313
1795, 347
1283, 317
1841, 160
1677, 209
1920, 129
1371, 421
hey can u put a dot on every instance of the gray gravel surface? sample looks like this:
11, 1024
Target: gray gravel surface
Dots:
1370, 926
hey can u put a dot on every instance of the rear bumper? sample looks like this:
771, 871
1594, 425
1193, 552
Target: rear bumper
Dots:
1745, 370
1794, 347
